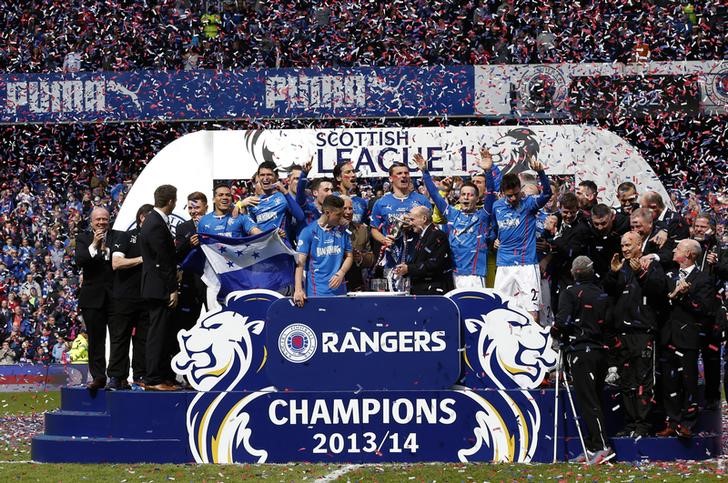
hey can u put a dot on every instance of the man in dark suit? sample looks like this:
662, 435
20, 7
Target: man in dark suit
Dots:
192, 290
691, 299
430, 271
93, 257
669, 225
703, 231
641, 222
159, 288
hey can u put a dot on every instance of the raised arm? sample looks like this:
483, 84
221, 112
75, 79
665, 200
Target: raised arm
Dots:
545, 195
430, 184
301, 186
491, 172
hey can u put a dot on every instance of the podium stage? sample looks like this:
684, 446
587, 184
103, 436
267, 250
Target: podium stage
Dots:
350, 380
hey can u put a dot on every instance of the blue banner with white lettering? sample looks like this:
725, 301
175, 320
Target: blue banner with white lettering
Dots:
244, 94
355, 343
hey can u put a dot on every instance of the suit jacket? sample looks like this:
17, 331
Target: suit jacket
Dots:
159, 267
192, 288
430, 270
687, 311
664, 252
674, 224
98, 276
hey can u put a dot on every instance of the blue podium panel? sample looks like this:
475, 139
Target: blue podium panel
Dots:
355, 343
370, 426
336, 427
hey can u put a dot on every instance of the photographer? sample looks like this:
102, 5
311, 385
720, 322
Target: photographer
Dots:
581, 325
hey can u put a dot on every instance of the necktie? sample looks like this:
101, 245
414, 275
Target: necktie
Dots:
683, 274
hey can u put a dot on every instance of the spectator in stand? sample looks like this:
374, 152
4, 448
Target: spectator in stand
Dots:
60, 351
7, 355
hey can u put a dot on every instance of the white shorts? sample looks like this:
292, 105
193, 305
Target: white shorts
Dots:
468, 281
522, 283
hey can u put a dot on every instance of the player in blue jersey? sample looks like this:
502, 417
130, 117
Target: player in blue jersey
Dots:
468, 228
274, 206
324, 251
220, 220
345, 177
398, 203
518, 273
320, 189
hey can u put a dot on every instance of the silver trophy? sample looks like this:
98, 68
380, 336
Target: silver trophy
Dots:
397, 225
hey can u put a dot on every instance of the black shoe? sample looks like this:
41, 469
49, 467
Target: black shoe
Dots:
712, 405
115, 384
96, 384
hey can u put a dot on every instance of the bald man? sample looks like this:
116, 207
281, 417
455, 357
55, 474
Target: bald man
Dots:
638, 293
691, 298
430, 271
93, 257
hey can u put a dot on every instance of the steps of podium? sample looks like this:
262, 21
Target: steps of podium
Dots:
78, 423
137, 426
66, 449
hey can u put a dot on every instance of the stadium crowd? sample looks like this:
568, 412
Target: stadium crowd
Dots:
53, 35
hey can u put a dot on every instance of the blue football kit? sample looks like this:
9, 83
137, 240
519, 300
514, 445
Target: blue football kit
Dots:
325, 251
225, 225
517, 227
273, 210
468, 233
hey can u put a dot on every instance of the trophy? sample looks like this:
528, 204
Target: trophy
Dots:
397, 225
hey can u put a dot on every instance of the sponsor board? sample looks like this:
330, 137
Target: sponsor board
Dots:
494, 91
370, 343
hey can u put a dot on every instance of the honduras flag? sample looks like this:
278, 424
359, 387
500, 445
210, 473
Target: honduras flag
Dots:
258, 261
